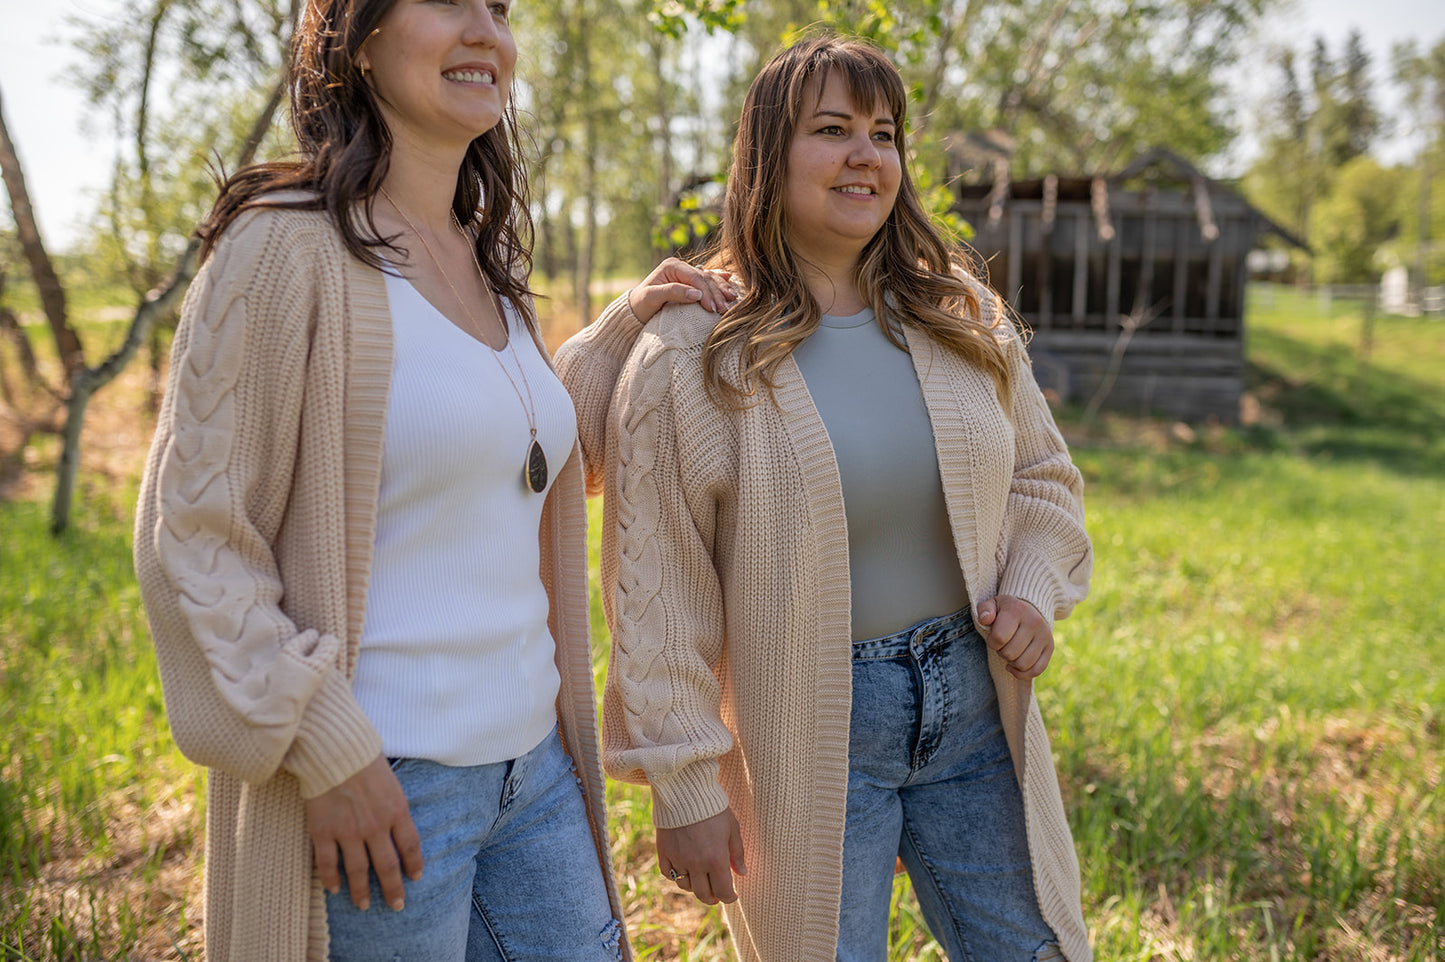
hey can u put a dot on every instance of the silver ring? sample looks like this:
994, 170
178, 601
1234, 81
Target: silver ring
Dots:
674, 874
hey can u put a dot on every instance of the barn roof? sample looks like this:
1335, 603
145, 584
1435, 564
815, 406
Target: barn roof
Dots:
1160, 166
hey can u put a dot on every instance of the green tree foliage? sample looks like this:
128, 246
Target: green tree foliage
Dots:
1421, 74
1362, 210
1322, 120
1345, 120
1084, 87
1284, 181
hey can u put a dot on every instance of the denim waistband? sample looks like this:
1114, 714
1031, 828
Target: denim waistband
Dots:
928, 634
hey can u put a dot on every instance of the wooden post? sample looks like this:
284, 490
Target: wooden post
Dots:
1367, 344
1015, 255
1081, 266
1146, 266
1047, 215
1181, 272
1111, 298
1211, 294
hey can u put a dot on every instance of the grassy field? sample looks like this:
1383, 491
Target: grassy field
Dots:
1247, 712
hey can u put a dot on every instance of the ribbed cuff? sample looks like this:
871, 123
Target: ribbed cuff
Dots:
1035, 583
334, 741
687, 796
616, 328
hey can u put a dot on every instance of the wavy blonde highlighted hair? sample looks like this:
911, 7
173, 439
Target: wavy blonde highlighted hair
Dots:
906, 272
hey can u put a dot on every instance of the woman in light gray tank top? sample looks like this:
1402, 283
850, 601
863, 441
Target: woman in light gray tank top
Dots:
840, 525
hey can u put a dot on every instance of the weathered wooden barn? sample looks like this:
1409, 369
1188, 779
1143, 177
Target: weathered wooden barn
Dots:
1133, 283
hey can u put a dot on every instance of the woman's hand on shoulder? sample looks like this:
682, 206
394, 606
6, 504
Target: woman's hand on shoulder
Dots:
1019, 633
366, 822
701, 858
676, 281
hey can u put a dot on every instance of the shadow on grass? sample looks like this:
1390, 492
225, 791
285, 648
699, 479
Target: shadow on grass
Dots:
1340, 412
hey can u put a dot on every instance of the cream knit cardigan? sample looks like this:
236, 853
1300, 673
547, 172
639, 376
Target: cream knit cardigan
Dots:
725, 573
253, 547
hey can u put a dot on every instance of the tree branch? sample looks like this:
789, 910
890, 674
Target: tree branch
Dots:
52, 294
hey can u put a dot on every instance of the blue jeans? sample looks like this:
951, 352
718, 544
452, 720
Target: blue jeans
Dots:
510, 871
930, 780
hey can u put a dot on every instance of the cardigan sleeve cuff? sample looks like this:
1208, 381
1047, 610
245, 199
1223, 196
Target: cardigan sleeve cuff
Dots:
688, 795
616, 328
1038, 584
334, 741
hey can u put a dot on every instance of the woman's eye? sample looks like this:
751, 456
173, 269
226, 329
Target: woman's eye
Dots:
884, 136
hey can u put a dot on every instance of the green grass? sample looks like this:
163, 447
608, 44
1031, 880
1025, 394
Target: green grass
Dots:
95, 801
1249, 706
1247, 711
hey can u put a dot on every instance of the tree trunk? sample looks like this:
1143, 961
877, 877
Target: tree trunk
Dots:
1422, 240
583, 276
951, 25
1367, 346
663, 107
91, 379
52, 294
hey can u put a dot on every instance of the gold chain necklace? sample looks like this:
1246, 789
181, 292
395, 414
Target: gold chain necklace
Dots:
534, 468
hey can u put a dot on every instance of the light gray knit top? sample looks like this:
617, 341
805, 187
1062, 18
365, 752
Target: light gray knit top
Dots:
902, 562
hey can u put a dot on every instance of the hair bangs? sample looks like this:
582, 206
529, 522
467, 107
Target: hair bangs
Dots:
868, 78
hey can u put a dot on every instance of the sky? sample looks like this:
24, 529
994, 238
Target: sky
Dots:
67, 148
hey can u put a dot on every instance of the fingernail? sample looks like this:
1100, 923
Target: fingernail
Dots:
365, 904
398, 904
693, 293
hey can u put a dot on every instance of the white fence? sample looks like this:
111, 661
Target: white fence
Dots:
1432, 300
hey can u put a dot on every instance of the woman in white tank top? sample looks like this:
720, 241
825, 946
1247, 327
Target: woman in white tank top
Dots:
361, 537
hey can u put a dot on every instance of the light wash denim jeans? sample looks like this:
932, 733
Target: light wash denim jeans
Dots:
510, 871
930, 780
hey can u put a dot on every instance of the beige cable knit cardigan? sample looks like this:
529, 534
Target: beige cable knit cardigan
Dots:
253, 548
725, 573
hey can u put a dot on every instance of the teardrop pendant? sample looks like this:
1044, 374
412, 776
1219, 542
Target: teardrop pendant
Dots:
535, 472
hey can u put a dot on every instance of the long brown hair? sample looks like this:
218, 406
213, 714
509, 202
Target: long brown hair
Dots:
906, 272
345, 150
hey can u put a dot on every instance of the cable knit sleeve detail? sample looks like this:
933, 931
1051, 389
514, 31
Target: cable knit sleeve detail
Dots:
589, 363
1044, 554
241, 679
662, 716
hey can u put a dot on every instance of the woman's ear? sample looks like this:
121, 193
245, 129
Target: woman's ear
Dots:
363, 63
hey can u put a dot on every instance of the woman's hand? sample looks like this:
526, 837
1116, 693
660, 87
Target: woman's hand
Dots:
367, 820
704, 856
1019, 633
676, 281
